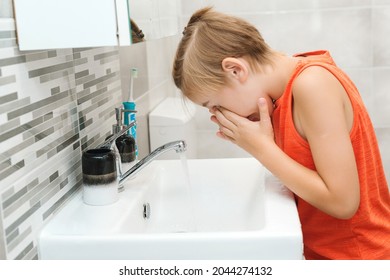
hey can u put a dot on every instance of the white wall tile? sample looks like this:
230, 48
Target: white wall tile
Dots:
380, 2
343, 32
381, 40
134, 56
159, 61
381, 114
249, 6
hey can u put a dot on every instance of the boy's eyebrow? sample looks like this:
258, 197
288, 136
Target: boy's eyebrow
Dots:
205, 104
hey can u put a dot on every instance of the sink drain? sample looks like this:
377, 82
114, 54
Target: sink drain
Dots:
146, 210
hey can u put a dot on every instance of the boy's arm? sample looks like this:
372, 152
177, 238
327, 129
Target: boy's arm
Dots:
334, 187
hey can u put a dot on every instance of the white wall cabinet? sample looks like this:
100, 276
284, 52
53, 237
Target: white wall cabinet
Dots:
55, 24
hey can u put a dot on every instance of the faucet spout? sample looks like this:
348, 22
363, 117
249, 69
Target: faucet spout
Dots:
179, 146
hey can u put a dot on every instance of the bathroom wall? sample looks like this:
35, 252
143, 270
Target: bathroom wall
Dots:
53, 105
354, 31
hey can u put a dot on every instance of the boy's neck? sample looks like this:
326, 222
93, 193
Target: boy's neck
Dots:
281, 71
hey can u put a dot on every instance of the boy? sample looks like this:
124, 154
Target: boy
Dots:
304, 120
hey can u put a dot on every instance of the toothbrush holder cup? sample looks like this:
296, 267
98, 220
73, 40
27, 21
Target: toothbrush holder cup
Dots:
100, 183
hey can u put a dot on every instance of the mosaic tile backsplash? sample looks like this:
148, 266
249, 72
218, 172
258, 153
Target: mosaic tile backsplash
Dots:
53, 105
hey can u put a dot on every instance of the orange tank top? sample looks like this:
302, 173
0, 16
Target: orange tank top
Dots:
367, 234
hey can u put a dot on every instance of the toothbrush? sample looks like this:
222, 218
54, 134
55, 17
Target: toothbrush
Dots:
133, 75
130, 104
130, 107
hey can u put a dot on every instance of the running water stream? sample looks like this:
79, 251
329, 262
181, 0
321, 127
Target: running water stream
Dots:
192, 226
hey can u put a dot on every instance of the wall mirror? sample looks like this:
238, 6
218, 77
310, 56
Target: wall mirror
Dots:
154, 19
48, 24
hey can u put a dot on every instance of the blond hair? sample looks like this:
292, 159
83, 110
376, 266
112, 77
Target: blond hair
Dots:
209, 38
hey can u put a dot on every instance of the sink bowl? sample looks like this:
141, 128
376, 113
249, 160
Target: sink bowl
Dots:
219, 209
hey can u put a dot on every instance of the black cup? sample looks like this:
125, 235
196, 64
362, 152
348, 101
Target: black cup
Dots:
126, 148
99, 166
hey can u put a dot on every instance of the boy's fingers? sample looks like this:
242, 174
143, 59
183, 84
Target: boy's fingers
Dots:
224, 117
214, 119
221, 135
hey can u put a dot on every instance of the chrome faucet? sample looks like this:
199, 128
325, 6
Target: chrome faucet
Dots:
179, 146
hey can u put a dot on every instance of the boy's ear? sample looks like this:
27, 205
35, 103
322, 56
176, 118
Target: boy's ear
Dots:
235, 68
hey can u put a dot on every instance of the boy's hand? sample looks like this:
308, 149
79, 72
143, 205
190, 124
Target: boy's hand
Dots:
249, 135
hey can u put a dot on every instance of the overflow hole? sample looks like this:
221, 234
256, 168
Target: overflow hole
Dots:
146, 210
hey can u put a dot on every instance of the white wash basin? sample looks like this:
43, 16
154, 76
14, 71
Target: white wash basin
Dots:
234, 209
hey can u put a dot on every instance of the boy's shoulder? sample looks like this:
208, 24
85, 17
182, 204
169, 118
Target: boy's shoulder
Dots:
313, 78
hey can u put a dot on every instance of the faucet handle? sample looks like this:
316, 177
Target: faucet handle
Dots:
109, 142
